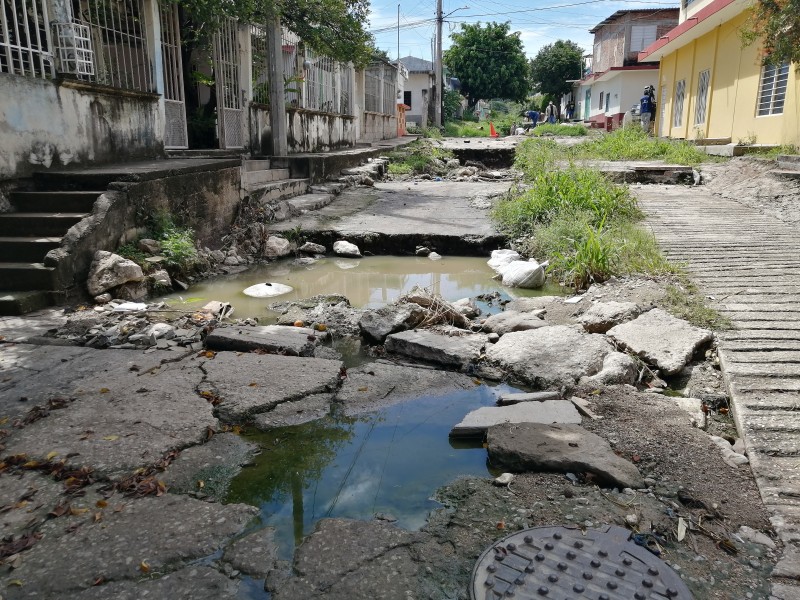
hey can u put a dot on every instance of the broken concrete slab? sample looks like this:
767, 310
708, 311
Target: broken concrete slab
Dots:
128, 424
550, 356
215, 463
565, 448
255, 554
507, 399
249, 384
276, 339
379, 384
451, 351
512, 320
602, 316
190, 583
476, 423
661, 340
295, 412
352, 559
376, 324
166, 532
618, 368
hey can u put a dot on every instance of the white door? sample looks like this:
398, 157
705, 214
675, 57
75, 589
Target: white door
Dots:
230, 96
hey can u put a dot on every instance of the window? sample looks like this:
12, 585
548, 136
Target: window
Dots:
677, 111
608, 97
642, 36
772, 91
602, 94
702, 97
407, 99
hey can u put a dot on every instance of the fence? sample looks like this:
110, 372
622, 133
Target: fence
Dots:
25, 44
119, 41
380, 89
259, 64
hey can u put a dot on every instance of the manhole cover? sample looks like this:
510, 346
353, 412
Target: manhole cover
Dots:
557, 563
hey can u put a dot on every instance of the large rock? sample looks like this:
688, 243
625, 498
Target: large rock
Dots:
550, 356
564, 448
618, 368
602, 316
277, 339
346, 249
512, 320
455, 351
109, 270
276, 247
375, 325
661, 340
312, 248
249, 384
476, 423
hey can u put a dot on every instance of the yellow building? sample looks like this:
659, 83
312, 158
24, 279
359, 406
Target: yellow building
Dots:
712, 87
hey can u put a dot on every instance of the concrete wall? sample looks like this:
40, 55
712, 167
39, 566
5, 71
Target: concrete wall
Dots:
378, 126
417, 82
308, 130
46, 124
205, 200
733, 95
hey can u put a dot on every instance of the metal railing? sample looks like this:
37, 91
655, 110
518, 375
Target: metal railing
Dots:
119, 42
380, 89
292, 73
25, 44
322, 81
259, 65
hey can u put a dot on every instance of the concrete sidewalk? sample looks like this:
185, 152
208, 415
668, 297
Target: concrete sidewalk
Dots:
748, 265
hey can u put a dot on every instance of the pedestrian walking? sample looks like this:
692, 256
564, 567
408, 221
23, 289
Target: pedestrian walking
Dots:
647, 108
550, 113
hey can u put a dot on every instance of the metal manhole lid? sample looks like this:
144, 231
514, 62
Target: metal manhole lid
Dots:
559, 563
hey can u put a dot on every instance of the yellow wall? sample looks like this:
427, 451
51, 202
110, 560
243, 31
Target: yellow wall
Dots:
731, 103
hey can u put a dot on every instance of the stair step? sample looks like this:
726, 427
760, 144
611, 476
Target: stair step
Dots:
25, 276
38, 224
306, 202
27, 249
19, 303
255, 164
279, 190
253, 178
54, 201
786, 174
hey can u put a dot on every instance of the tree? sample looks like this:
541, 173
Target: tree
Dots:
553, 66
776, 24
489, 62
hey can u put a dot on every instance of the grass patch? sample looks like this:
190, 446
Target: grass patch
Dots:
685, 301
131, 252
573, 216
421, 156
632, 143
559, 130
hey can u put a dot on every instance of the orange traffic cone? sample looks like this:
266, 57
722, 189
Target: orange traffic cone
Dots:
492, 131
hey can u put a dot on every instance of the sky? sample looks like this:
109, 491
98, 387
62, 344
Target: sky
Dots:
539, 22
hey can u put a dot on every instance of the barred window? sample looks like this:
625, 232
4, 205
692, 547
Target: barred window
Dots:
772, 91
702, 97
677, 111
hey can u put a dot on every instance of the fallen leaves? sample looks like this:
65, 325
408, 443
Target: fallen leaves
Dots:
40, 412
143, 481
110, 438
213, 398
9, 546
144, 567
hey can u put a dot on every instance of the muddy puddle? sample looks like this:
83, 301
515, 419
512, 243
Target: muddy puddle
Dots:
386, 463
370, 282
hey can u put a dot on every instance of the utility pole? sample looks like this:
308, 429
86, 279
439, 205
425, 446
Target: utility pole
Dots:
437, 96
398, 37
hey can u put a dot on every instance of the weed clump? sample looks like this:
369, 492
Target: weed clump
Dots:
421, 156
560, 130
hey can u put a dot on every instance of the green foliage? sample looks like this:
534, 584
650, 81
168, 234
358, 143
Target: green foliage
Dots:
685, 301
420, 157
177, 246
131, 252
553, 66
559, 130
341, 34
489, 61
452, 102
776, 25
575, 217
466, 129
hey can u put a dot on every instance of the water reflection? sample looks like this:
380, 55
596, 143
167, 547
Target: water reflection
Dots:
390, 461
369, 282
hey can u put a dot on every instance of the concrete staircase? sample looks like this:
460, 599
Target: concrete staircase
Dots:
788, 167
39, 221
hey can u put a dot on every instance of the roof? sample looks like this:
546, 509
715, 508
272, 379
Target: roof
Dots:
621, 13
704, 20
416, 65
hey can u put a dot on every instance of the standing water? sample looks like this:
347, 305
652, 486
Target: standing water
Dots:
369, 282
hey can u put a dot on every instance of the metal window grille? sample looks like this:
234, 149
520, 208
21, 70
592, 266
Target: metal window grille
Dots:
176, 135
292, 83
389, 92
702, 97
119, 40
74, 43
380, 89
260, 68
346, 90
677, 111
772, 91
230, 100
372, 91
322, 83
25, 44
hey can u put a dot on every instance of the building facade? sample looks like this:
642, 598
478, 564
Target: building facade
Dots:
712, 87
